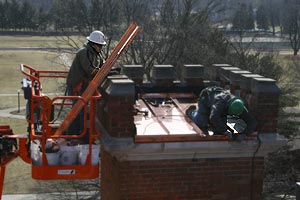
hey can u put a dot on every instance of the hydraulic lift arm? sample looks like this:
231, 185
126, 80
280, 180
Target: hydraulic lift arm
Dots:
124, 42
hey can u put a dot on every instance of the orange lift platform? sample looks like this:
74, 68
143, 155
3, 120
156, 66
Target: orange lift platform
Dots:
45, 162
45, 131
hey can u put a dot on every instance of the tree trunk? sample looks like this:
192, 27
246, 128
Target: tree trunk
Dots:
295, 52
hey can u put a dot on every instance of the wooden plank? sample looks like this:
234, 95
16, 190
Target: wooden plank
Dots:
183, 138
189, 120
177, 138
155, 117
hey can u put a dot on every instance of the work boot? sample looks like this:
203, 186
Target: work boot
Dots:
229, 135
189, 111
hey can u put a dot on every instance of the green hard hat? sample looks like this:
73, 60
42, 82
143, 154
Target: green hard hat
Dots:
236, 107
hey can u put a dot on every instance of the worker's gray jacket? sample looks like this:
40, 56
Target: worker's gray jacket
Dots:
86, 59
218, 103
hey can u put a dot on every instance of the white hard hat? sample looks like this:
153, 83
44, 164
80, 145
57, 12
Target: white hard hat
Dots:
97, 37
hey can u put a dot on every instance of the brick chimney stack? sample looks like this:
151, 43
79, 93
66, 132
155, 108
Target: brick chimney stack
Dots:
214, 170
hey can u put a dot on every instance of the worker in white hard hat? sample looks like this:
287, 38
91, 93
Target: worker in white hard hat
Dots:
88, 60
86, 63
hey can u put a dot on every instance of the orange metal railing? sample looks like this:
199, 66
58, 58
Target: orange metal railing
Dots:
43, 106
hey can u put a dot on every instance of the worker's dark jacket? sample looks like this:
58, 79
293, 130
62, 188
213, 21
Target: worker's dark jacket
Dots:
217, 104
81, 71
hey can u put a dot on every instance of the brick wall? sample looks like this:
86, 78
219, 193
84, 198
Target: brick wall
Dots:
265, 104
116, 107
207, 179
110, 177
225, 170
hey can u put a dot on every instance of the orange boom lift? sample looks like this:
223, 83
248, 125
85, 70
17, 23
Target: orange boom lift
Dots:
41, 127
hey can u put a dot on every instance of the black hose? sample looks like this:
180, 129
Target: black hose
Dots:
253, 166
61, 108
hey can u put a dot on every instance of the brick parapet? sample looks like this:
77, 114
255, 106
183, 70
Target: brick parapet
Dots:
245, 83
212, 170
224, 76
224, 170
235, 81
116, 107
261, 94
193, 75
213, 72
265, 103
134, 72
163, 75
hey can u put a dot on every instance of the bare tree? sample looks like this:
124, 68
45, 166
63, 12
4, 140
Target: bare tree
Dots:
173, 32
272, 13
84, 18
291, 24
156, 39
104, 15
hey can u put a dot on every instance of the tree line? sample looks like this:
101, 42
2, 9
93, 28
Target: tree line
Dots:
173, 31
83, 16
15, 16
282, 16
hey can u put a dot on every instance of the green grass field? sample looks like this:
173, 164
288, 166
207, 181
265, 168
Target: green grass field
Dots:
11, 75
37, 41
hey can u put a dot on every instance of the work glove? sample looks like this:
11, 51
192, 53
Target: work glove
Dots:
240, 137
228, 134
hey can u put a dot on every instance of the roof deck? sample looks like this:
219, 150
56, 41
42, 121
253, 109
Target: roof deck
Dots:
160, 117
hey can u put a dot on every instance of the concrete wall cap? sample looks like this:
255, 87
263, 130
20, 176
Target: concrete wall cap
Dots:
193, 71
221, 65
246, 79
251, 76
240, 72
133, 71
263, 84
163, 66
191, 65
229, 68
120, 87
263, 79
132, 66
163, 72
127, 150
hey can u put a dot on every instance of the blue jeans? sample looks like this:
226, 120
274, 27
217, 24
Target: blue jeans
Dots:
200, 117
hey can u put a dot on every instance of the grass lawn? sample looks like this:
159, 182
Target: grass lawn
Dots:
37, 41
11, 76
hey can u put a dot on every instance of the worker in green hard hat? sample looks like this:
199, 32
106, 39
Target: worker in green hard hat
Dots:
215, 105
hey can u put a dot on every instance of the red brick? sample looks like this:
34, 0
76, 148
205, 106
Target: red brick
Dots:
227, 178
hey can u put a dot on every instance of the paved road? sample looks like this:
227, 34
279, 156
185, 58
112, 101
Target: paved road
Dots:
7, 113
35, 49
53, 196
